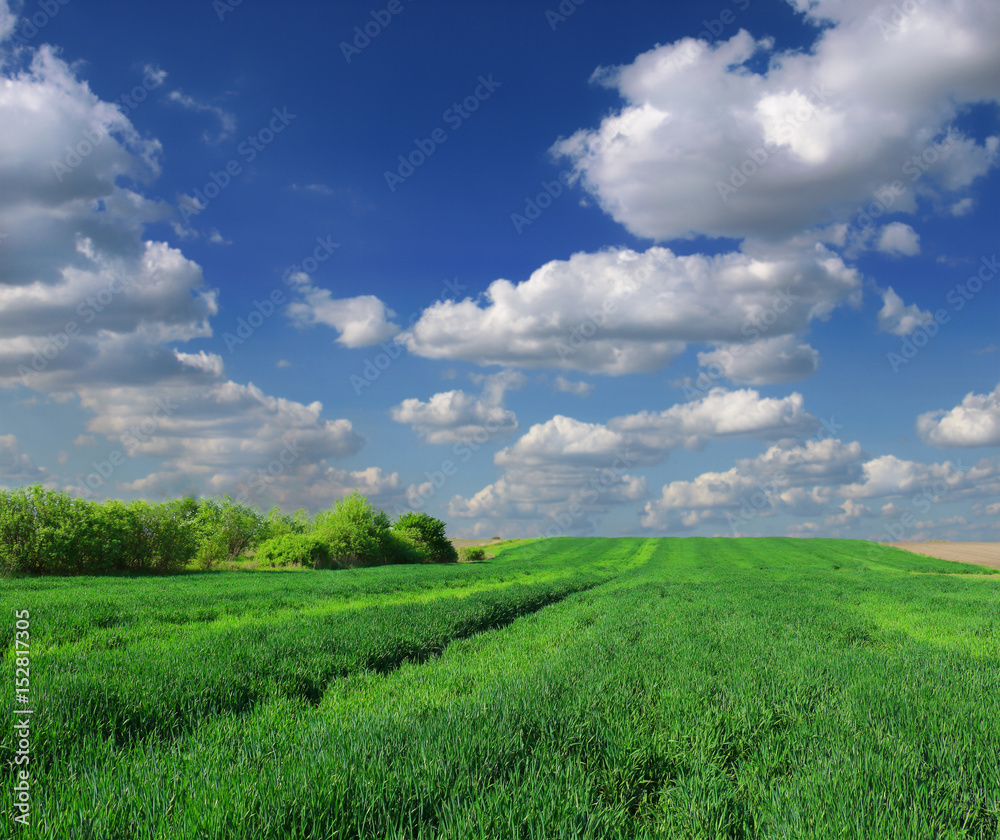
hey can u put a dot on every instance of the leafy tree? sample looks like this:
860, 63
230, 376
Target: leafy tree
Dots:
429, 534
357, 533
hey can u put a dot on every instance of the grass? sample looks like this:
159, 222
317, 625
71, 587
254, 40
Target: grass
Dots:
568, 688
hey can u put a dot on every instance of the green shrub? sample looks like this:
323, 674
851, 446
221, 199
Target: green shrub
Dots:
47, 532
357, 533
278, 524
227, 530
294, 550
403, 547
474, 553
429, 535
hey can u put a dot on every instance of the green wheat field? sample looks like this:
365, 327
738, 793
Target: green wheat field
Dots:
566, 688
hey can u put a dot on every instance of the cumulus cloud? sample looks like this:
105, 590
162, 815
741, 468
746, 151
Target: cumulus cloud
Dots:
819, 479
898, 239
975, 422
619, 311
90, 310
457, 416
765, 362
703, 144
896, 317
362, 321
566, 473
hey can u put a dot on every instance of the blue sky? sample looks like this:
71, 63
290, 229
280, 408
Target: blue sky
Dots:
535, 268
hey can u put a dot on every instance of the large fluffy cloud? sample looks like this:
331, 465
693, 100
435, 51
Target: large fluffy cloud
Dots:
703, 144
975, 422
90, 311
619, 311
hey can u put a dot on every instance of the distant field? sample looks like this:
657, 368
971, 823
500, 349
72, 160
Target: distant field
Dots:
625, 688
982, 553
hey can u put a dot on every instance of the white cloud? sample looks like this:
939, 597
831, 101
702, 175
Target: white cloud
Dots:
456, 416
898, 239
962, 207
16, 466
975, 422
8, 20
580, 389
819, 479
566, 474
619, 311
90, 310
815, 134
361, 321
765, 362
227, 121
896, 317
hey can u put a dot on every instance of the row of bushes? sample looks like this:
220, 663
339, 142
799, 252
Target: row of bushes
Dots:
48, 532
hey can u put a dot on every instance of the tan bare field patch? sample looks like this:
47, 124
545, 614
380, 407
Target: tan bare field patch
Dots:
981, 553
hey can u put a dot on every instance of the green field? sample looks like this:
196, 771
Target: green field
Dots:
623, 688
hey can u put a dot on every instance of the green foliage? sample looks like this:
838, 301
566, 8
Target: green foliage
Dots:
357, 533
474, 554
228, 530
48, 532
429, 535
277, 523
306, 550
402, 547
